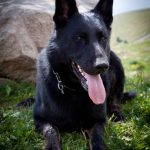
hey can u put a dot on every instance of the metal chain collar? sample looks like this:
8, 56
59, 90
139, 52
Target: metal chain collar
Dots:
60, 84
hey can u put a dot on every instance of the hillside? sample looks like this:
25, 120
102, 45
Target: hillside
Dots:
131, 26
130, 40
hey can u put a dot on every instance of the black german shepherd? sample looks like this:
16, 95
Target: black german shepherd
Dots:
79, 79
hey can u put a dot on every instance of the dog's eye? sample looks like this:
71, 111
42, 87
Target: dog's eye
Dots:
101, 37
82, 39
78, 38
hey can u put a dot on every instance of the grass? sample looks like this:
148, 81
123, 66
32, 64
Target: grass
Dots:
16, 125
135, 57
134, 133
17, 130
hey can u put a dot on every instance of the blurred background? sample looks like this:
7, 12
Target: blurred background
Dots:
25, 28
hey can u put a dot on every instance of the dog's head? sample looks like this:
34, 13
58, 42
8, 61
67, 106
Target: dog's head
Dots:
83, 39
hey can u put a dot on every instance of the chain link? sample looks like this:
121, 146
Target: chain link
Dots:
60, 84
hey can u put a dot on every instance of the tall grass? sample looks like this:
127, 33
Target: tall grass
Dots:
16, 125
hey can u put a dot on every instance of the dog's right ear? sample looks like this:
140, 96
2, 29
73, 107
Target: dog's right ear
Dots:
64, 10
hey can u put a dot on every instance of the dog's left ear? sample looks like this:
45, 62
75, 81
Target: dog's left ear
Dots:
64, 10
105, 9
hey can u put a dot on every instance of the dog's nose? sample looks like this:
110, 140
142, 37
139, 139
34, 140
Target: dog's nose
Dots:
102, 67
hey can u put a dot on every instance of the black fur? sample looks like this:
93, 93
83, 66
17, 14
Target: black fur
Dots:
84, 39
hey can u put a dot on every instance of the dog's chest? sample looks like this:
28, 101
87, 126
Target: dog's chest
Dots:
75, 112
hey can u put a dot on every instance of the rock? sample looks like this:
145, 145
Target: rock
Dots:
4, 81
25, 28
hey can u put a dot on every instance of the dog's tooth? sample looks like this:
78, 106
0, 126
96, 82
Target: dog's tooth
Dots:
80, 70
82, 74
79, 67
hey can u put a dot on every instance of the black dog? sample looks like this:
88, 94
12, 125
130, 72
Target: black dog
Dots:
79, 79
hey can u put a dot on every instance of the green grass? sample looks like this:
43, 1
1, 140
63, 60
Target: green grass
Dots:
13, 92
135, 57
16, 125
17, 130
134, 133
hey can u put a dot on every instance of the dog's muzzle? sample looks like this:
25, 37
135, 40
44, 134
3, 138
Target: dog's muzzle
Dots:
91, 83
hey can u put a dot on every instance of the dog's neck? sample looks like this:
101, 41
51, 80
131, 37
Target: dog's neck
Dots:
66, 81
61, 86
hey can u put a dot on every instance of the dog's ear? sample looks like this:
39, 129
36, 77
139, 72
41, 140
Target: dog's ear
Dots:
64, 10
105, 9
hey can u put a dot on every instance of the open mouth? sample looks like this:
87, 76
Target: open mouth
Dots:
78, 71
93, 84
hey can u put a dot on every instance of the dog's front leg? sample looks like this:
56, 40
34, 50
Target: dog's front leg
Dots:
52, 139
96, 137
51, 134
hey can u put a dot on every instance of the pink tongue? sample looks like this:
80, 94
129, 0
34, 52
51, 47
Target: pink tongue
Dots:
96, 88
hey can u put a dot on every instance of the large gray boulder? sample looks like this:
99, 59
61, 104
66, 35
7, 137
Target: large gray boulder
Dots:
25, 28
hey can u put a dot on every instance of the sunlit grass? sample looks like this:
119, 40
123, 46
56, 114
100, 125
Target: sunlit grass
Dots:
16, 125
135, 58
17, 129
